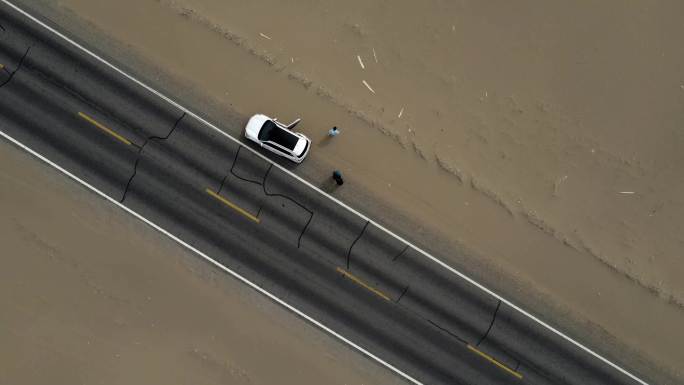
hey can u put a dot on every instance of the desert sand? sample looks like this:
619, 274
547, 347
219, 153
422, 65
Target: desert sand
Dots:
542, 140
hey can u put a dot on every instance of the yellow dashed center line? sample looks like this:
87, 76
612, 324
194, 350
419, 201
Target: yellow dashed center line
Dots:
362, 284
495, 362
103, 128
232, 205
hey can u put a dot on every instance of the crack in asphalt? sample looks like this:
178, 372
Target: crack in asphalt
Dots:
306, 226
73, 92
456, 336
225, 178
511, 356
438, 326
353, 243
140, 150
223, 181
400, 253
311, 213
402, 294
516, 359
139, 147
419, 314
21, 62
447, 331
237, 153
130, 180
262, 183
496, 311
175, 124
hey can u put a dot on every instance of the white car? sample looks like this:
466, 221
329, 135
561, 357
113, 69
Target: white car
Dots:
277, 137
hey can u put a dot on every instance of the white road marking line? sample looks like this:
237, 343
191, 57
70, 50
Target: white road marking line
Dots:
342, 204
209, 259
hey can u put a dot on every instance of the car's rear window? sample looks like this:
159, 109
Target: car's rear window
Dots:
271, 132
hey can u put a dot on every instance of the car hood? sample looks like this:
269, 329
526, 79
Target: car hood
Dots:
254, 126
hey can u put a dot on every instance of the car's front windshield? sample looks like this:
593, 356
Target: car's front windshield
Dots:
267, 130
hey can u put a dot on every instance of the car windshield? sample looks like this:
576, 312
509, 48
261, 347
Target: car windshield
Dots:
272, 132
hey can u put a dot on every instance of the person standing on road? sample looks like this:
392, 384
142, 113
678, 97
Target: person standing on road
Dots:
333, 132
337, 176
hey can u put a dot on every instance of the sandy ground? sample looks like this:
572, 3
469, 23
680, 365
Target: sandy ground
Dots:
90, 295
543, 138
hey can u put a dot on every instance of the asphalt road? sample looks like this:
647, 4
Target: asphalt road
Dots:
260, 222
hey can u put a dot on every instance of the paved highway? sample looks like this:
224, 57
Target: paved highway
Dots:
221, 199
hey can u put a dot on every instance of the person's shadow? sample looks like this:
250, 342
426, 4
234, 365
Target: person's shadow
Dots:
325, 141
329, 185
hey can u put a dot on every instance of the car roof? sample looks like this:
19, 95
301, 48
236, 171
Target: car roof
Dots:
270, 131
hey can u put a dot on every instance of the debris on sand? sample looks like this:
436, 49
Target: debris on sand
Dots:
627, 192
557, 184
265, 36
358, 30
376, 59
363, 67
367, 86
400, 113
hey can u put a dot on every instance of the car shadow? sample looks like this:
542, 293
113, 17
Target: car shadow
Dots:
290, 166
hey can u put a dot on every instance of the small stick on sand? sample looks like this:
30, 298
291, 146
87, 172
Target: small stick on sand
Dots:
264, 36
627, 192
376, 57
363, 67
400, 113
556, 185
367, 86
